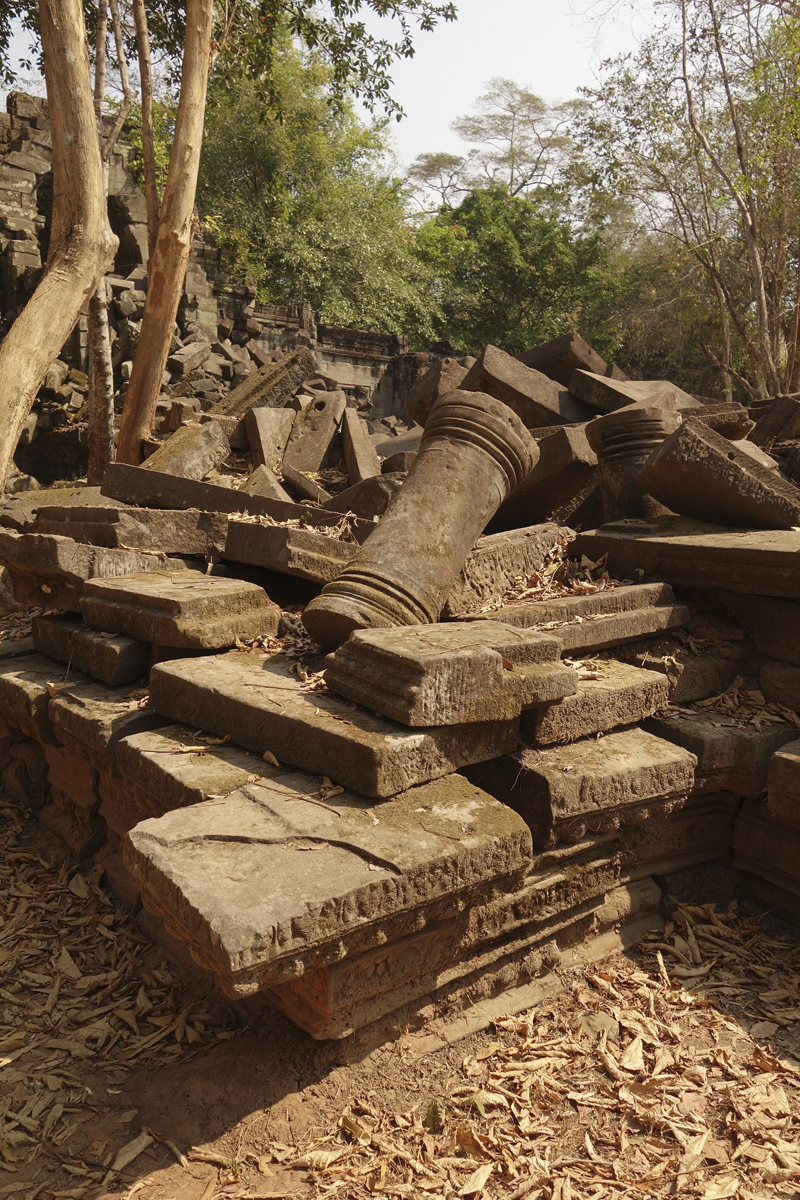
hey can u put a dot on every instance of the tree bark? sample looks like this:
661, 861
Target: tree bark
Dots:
167, 266
81, 242
148, 139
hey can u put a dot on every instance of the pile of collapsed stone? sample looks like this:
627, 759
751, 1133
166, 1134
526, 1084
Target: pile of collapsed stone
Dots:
514, 732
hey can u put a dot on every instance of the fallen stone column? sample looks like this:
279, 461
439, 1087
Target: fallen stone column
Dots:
623, 442
474, 452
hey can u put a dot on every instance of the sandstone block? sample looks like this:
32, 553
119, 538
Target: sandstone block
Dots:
494, 565
107, 657
700, 474
535, 399
608, 394
359, 453
449, 674
561, 357
269, 387
780, 422
783, 785
780, 682
774, 625
444, 376
188, 358
617, 695
591, 786
313, 432
265, 707
89, 719
400, 463
302, 552
369, 499
25, 696
770, 851
566, 464
262, 482
187, 531
81, 828
192, 451
233, 878
268, 432
72, 775
196, 613
304, 485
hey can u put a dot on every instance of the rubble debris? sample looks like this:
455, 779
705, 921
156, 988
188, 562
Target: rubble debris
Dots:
191, 452
449, 674
359, 453
535, 399
270, 387
263, 706
268, 431
262, 482
700, 474
566, 464
183, 610
623, 441
108, 657
404, 572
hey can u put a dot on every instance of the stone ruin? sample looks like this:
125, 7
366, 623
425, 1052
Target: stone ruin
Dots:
378, 721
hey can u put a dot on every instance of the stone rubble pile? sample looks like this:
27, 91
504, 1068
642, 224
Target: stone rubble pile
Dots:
374, 730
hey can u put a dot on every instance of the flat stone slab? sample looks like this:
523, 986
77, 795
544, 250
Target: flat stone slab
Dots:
781, 682
695, 554
313, 431
19, 511
187, 531
264, 706
25, 695
273, 880
107, 657
495, 563
51, 572
774, 625
599, 620
608, 394
90, 719
783, 785
302, 552
192, 451
615, 694
359, 453
449, 674
591, 786
698, 473
730, 757
194, 612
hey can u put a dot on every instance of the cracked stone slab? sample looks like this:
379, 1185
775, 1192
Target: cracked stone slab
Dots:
191, 611
616, 695
730, 758
90, 719
272, 880
50, 572
449, 674
107, 657
264, 706
621, 779
599, 620
177, 531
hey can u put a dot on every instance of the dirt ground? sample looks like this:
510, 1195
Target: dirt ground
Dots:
675, 1069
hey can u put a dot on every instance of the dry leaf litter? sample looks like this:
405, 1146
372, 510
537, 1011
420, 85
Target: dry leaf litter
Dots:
560, 576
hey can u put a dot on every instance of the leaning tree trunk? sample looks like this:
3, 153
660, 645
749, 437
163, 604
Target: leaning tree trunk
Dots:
148, 138
167, 266
81, 242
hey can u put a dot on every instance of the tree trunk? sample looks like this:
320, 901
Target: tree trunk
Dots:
81, 242
148, 140
167, 266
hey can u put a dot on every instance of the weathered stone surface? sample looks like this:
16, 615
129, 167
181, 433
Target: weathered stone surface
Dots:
262, 482
561, 357
695, 554
774, 625
359, 453
693, 669
80, 828
623, 442
268, 431
369, 499
195, 612
608, 394
231, 877
449, 674
591, 786
303, 484
303, 552
25, 696
191, 452
699, 832
730, 420
497, 561
599, 620
188, 358
18, 512
90, 718
187, 531
107, 657
404, 573
700, 474
783, 785
566, 463
617, 695
780, 682
400, 462
730, 758
72, 775
51, 572
269, 387
780, 423
444, 376
265, 707
766, 849
535, 399
313, 432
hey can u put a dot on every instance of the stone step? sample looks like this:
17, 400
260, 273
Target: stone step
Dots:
494, 565
184, 611
783, 785
592, 785
107, 657
264, 706
282, 876
187, 531
300, 552
615, 694
449, 674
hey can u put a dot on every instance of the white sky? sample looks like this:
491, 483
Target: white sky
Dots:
550, 46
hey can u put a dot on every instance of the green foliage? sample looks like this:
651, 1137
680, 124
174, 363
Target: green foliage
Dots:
164, 110
303, 204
